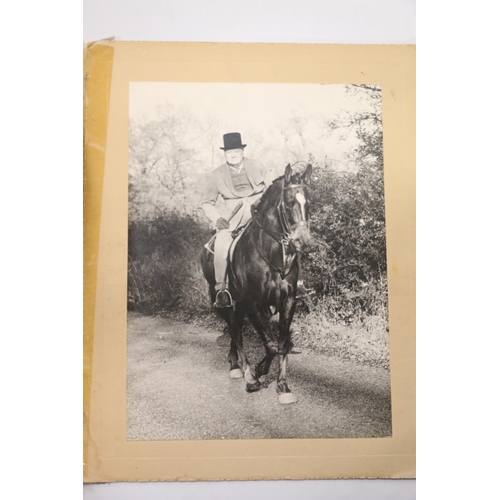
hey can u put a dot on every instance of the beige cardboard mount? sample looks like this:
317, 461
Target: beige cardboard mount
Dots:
109, 68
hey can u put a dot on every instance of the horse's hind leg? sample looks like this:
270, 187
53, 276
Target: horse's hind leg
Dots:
236, 323
286, 315
259, 321
234, 369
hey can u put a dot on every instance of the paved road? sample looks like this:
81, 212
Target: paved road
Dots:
178, 387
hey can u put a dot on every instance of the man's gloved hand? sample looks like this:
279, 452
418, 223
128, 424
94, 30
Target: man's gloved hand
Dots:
222, 224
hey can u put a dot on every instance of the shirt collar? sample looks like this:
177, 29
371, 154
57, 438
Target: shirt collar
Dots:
237, 169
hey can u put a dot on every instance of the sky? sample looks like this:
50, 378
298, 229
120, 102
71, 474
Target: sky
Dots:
241, 103
263, 113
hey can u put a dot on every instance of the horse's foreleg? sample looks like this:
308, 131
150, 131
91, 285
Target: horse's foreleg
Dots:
261, 324
284, 344
237, 337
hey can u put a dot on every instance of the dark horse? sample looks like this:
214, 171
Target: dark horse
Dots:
263, 275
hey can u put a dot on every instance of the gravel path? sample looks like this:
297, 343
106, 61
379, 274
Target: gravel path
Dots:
178, 387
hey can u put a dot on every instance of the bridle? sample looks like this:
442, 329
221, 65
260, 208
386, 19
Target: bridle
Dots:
284, 237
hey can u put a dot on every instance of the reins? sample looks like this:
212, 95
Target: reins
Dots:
283, 238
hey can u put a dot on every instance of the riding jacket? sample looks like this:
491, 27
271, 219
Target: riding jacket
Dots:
221, 184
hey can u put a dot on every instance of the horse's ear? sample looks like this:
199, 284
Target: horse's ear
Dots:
306, 176
288, 174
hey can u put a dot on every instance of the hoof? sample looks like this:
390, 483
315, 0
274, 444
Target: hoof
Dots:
253, 387
260, 372
287, 397
236, 373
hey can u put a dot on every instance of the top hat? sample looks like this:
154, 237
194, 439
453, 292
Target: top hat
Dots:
232, 141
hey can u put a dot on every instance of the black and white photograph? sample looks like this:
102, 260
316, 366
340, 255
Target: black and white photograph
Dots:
257, 264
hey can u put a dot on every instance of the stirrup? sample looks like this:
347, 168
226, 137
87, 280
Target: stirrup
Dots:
224, 300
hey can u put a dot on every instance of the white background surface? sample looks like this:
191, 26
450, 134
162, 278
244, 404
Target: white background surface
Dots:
292, 21
457, 235
296, 21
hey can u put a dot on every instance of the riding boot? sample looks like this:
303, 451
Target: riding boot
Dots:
223, 298
222, 243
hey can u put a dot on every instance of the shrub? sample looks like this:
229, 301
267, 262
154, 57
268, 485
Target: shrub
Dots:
164, 271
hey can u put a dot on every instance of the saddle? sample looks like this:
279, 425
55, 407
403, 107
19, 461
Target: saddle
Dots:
236, 234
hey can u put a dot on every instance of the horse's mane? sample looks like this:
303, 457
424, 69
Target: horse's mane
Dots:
272, 192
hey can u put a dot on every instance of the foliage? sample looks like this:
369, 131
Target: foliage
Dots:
164, 269
347, 214
363, 341
166, 162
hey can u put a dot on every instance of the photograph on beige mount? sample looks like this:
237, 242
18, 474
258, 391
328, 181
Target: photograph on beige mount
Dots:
257, 268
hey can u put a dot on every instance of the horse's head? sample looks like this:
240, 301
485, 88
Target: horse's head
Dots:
294, 206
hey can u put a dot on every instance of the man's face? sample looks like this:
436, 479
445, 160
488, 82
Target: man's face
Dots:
234, 156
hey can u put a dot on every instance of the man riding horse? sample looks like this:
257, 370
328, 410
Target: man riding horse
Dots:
240, 182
